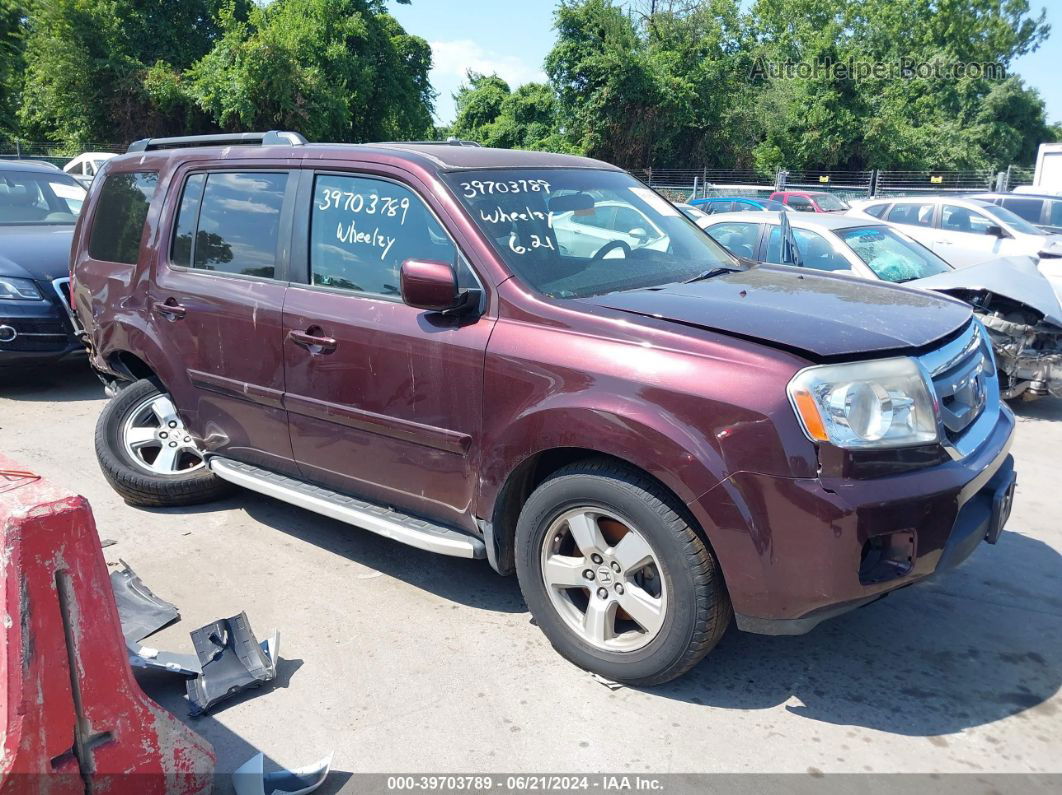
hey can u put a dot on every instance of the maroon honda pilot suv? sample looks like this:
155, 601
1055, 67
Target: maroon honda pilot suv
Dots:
534, 359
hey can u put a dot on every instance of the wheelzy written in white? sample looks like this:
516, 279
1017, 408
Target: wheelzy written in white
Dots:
351, 235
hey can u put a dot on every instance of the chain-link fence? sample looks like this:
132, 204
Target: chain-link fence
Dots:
54, 153
912, 183
686, 184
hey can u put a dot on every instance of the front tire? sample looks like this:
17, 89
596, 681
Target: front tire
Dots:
615, 577
147, 455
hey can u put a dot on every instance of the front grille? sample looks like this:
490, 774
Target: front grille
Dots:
963, 373
35, 336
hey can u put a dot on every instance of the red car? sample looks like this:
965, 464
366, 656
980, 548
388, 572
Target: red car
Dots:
810, 202
422, 340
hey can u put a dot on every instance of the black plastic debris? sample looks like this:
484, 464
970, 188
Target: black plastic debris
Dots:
140, 611
232, 661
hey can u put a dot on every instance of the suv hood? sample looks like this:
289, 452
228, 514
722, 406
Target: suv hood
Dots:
825, 316
1016, 278
36, 252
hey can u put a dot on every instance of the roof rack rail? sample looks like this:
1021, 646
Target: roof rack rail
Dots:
271, 138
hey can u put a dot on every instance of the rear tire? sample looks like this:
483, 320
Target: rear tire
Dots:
146, 454
640, 609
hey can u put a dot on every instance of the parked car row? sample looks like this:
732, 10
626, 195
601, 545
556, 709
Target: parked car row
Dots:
1009, 294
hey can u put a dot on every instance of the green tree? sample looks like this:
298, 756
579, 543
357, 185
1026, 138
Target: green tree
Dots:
88, 64
12, 21
489, 113
479, 104
340, 70
820, 121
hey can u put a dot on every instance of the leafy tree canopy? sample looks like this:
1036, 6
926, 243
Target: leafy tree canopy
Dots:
115, 70
675, 83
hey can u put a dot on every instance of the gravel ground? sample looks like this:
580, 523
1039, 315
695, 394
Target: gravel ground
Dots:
404, 661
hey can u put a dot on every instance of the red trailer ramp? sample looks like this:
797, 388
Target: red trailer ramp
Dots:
76, 720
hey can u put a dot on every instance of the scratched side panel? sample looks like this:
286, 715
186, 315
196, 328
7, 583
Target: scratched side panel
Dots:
393, 414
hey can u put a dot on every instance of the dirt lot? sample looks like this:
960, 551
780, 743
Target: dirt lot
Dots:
404, 661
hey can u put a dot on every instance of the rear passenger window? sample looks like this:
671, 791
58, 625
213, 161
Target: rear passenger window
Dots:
875, 209
912, 213
229, 223
737, 238
362, 230
118, 222
1029, 209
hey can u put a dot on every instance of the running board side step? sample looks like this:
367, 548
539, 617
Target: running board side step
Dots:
382, 521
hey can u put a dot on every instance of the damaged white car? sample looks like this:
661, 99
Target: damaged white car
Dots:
1013, 299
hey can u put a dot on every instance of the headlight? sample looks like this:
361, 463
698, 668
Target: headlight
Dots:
883, 403
24, 289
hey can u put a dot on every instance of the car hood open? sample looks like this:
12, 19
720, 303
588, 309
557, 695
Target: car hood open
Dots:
1016, 278
825, 316
36, 252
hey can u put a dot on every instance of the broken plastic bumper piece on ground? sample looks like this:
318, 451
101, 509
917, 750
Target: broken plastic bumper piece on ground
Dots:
141, 612
251, 779
232, 660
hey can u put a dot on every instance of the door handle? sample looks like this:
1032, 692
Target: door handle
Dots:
314, 342
170, 309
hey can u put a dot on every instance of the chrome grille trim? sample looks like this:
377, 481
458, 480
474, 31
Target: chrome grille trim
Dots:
963, 375
62, 289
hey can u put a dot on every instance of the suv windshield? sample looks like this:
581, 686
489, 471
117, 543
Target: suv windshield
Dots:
32, 197
893, 257
1015, 221
574, 233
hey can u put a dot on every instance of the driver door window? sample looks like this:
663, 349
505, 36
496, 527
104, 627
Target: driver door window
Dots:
800, 204
363, 229
628, 220
960, 219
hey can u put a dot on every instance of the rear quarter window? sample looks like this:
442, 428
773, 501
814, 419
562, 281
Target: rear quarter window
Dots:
118, 222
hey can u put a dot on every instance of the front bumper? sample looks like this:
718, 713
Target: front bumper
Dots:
795, 552
43, 330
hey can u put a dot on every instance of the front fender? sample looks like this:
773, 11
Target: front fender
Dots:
675, 453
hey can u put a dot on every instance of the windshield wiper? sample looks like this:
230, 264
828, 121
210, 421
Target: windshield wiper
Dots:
709, 274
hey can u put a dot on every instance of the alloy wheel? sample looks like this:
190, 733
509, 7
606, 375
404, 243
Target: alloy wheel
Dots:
604, 579
155, 438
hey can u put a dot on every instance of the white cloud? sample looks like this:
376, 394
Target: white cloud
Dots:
451, 60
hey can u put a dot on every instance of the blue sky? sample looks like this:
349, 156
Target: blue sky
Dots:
512, 39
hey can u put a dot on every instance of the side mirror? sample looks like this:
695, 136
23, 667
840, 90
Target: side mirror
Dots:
429, 284
995, 230
639, 233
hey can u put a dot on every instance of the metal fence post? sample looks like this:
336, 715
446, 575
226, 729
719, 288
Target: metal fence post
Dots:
780, 179
18, 151
872, 188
